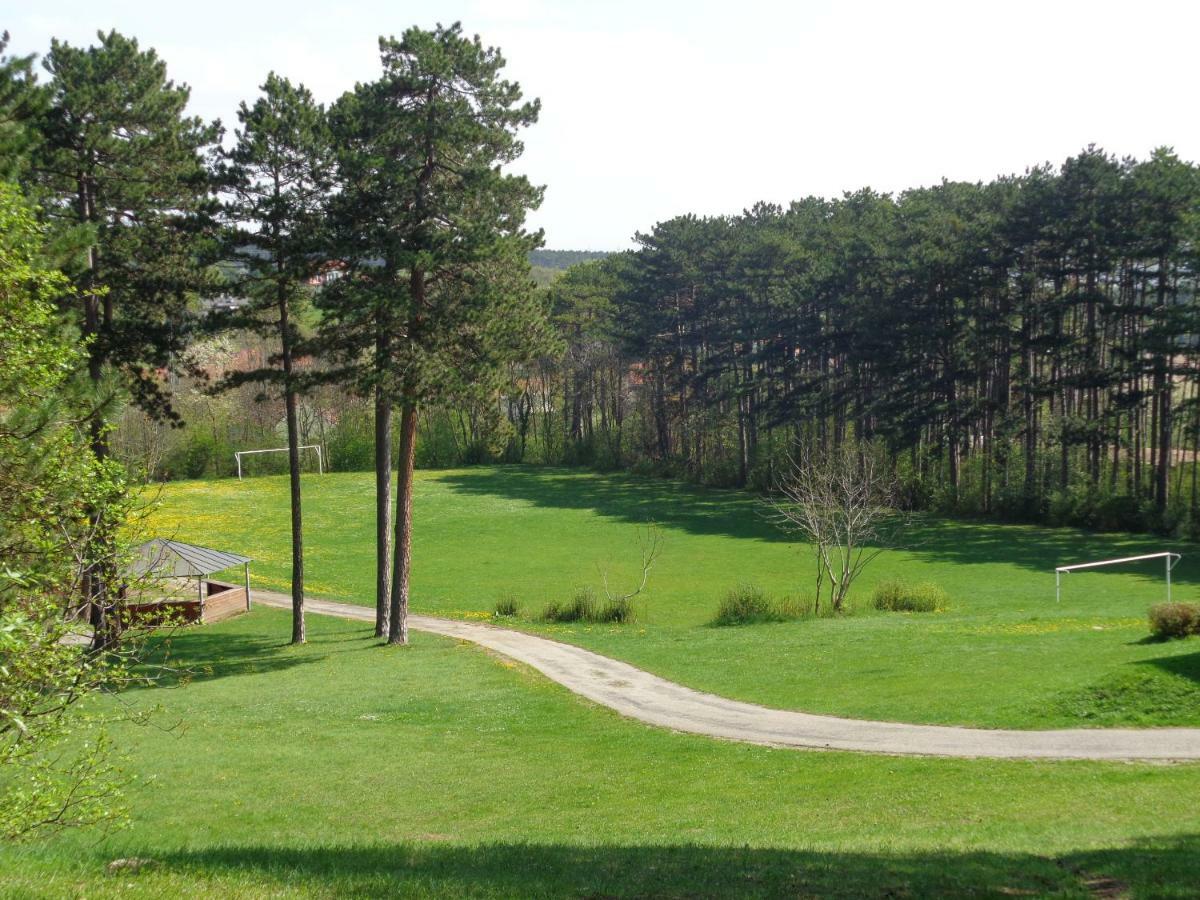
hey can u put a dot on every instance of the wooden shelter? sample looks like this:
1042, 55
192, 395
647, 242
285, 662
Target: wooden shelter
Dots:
196, 597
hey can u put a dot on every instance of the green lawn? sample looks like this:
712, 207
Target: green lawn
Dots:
344, 768
1005, 654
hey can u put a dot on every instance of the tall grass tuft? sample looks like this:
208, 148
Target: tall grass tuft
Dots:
745, 604
582, 608
748, 604
900, 596
616, 612
507, 607
585, 608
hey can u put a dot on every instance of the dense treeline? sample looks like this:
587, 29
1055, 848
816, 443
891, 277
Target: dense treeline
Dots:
1023, 348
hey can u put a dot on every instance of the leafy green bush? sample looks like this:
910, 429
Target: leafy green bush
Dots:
507, 607
899, 596
1174, 620
350, 444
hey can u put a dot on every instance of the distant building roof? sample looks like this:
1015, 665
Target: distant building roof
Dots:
162, 558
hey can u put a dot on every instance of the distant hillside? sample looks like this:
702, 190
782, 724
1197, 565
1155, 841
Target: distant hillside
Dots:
563, 259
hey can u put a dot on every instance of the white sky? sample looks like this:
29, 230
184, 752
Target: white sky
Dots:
653, 109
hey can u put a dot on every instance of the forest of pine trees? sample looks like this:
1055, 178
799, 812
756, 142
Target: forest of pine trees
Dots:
1024, 348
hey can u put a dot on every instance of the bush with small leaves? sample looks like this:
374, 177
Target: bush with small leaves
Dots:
1174, 620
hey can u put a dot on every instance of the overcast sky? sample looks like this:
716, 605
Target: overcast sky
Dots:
653, 109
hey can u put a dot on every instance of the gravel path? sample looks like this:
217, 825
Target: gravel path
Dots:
639, 695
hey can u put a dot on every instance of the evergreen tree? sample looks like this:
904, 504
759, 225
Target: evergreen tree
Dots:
121, 171
433, 231
278, 176
22, 101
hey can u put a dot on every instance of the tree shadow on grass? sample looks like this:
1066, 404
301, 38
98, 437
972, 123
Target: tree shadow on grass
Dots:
1164, 867
629, 498
202, 653
1185, 665
1042, 549
738, 514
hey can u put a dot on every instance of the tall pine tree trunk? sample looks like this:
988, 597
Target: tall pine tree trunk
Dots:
97, 576
383, 512
293, 439
398, 626
1162, 386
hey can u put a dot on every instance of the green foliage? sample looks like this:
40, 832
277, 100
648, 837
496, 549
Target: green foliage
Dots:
584, 607
900, 596
198, 455
748, 604
60, 511
55, 765
126, 168
278, 177
564, 259
507, 607
745, 605
616, 611
1174, 620
434, 244
22, 102
351, 442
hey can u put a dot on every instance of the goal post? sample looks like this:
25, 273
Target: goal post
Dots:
240, 453
1169, 559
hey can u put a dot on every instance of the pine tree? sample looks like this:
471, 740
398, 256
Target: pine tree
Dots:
121, 172
434, 232
278, 176
22, 101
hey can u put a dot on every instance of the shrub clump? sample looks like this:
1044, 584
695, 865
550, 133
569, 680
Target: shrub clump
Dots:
584, 607
899, 596
747, 604
507, 607
1174, 620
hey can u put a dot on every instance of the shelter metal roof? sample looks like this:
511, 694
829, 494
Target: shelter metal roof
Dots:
163, 558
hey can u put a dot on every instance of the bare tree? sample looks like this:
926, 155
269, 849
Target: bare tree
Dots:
650, 543
842, 501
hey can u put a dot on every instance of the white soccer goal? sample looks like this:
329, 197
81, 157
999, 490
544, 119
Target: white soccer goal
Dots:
1170, 558
240, 453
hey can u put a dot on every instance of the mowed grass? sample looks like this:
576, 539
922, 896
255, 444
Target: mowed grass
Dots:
1003, 654
344, 768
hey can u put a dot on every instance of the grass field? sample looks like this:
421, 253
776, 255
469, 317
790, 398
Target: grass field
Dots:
346, 769
1004, 654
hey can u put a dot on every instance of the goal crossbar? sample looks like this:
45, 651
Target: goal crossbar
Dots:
240, 453
1170, 560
